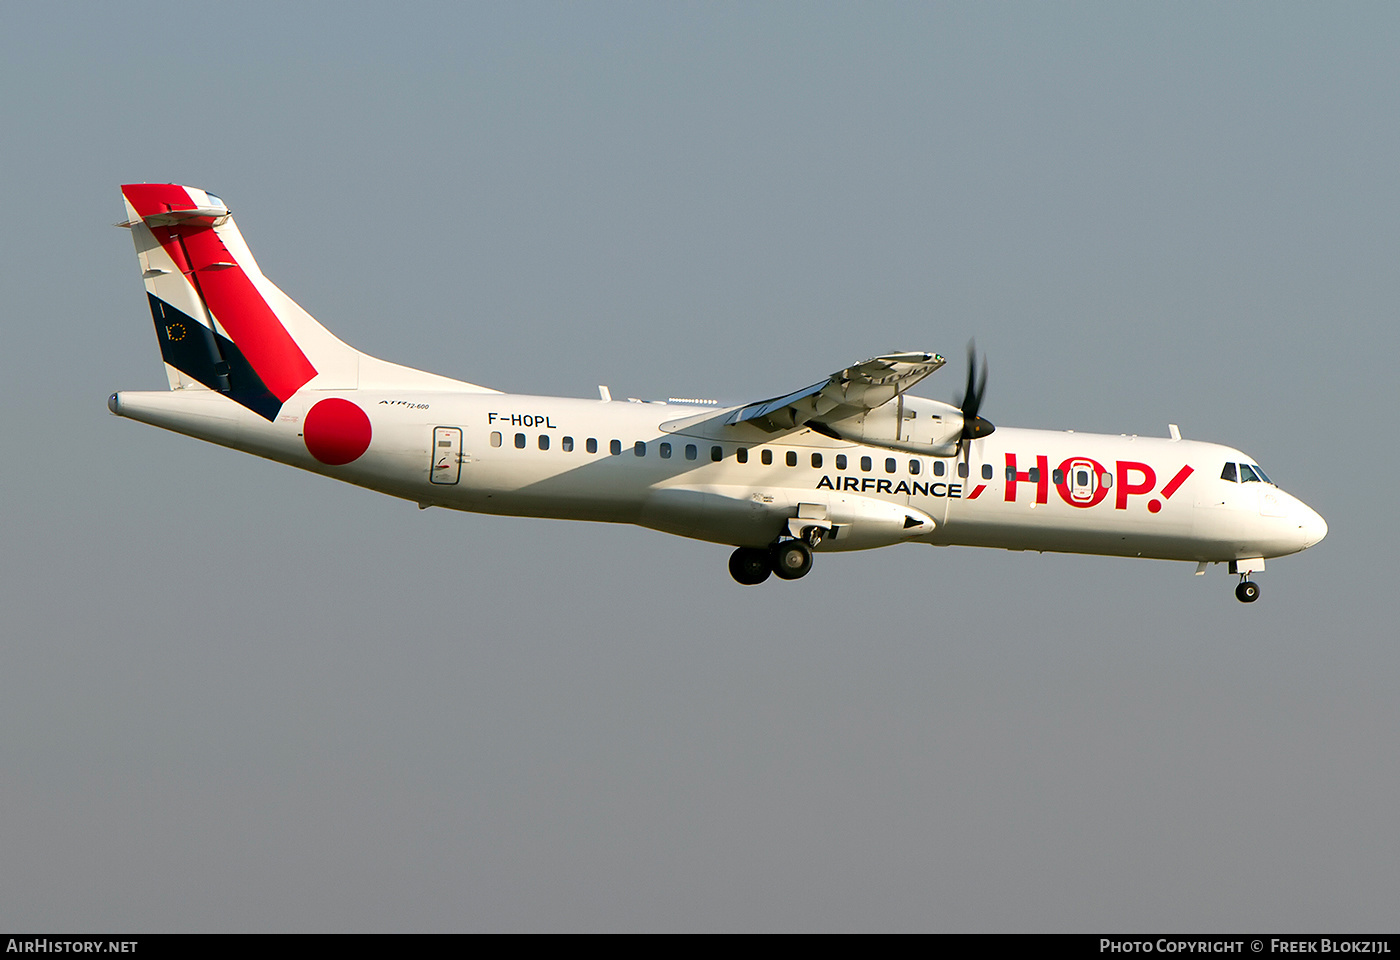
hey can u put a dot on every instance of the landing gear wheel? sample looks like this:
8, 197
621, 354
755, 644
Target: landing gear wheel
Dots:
1247, 591
750, 565
791, 559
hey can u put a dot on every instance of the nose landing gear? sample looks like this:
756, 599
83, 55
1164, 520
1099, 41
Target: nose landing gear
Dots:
1248, 590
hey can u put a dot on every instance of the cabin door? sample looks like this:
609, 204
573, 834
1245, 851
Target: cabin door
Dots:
447, 455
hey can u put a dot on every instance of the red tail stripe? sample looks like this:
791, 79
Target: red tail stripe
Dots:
1177, 481
250, 322
152, 198
231, 296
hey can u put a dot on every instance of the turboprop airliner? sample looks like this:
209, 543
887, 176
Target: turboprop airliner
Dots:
851, 462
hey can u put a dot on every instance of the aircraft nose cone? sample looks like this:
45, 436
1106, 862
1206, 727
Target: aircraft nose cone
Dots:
1311, 526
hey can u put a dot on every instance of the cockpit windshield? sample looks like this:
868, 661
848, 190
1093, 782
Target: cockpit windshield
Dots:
1248, 473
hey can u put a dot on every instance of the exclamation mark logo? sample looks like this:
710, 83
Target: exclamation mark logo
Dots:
1154, 505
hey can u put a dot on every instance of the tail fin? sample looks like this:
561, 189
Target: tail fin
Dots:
224, 326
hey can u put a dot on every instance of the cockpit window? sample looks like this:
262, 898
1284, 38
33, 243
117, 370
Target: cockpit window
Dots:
1229, 473
1247, 475
1260, 472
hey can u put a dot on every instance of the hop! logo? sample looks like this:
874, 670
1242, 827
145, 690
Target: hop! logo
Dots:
1084, 482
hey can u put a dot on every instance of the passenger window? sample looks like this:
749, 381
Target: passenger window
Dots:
691, 451
986, 471
890, 465
865, 464
767, 457
616, 448
915, 467
544, 441
592, 445
665, 451
495, 438
840, 461
962, 470
742, 454
567, 444
817, 460
1247, 475
1010, 474
1057, 477
791, 458
1081, 478
939, 468
716, 453
520, 441
639, 448
1034, 474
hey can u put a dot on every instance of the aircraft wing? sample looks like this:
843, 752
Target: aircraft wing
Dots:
864, 386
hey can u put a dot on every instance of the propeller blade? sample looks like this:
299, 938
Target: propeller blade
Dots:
974, 427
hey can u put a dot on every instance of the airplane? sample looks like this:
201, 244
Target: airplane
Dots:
851, 462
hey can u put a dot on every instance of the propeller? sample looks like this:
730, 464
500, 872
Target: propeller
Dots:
974, 427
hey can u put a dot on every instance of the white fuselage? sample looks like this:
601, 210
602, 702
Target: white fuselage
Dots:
678, 468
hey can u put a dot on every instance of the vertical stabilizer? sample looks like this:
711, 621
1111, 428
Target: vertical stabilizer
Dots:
225, 327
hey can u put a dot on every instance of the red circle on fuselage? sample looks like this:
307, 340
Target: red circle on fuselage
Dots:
336, 431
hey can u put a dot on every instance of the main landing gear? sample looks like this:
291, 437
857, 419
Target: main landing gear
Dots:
789, 559
1247, 591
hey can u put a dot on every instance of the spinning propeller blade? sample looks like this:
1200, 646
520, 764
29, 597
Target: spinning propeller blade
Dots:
974, 427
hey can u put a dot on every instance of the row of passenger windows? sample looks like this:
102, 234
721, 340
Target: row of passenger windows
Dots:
741, 454
692, 452
1235, 473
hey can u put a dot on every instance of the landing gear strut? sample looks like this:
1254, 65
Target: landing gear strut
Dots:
1247, 591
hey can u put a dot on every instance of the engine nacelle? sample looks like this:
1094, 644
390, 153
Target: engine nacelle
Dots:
913, 424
